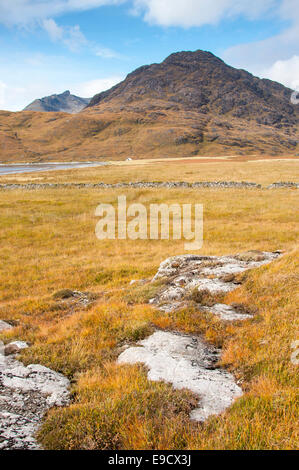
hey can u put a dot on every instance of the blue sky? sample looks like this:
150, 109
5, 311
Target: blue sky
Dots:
86, 46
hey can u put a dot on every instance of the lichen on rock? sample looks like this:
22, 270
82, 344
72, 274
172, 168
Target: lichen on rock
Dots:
26, 394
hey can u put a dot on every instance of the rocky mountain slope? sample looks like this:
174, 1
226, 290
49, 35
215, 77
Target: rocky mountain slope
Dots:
199, 81
65, 102
190, 104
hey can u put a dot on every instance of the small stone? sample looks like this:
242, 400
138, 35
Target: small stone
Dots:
227, 312
138, 281
14, 347
5, 326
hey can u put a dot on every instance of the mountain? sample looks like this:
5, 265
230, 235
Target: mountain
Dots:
190, 104
201, 82
65, 102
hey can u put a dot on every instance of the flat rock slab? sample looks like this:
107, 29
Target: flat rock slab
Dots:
26, 393
226, 312
187, 363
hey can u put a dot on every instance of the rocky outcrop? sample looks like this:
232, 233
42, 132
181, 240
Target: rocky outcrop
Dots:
191, 279
26, 394
187, 361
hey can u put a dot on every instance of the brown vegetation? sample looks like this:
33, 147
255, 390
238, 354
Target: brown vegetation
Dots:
48, 244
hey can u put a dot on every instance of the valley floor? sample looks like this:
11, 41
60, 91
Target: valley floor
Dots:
48, 245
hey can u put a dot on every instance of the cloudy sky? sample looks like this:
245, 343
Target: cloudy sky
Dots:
86, 46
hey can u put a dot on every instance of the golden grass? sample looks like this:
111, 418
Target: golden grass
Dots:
48, 243
116, 407
263, 172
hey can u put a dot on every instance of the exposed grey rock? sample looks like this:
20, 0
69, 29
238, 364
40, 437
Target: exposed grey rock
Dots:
139, 281
64, 102
75, 297
5, 326
186, 362
226, 312
26, 394
171, 307
14, 347
282, 184
188, 273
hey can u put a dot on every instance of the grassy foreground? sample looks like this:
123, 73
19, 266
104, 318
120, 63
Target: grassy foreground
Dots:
48, 244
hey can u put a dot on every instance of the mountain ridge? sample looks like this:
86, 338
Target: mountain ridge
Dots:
63, 102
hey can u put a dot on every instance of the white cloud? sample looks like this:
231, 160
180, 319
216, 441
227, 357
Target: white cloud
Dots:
10, 96
276, 57
74, 39
92, 87
163, 12
26, 11
55, 32
285, 71
189, 13
107, 53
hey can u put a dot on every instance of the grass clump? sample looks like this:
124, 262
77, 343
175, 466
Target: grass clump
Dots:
205, 297
118, 408
86, 339
63, 294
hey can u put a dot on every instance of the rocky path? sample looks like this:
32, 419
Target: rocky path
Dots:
26, 394
187, 361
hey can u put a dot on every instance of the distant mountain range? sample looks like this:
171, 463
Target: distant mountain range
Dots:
65, 102
190, 104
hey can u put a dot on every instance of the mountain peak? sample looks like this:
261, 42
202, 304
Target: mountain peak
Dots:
64, 102
201, 82
190, 56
